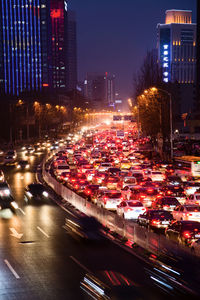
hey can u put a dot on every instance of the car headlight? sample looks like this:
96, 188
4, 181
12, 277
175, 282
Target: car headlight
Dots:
7, 192
45, 194
14, 204
29, 194
27, 166
18, 166
1, 178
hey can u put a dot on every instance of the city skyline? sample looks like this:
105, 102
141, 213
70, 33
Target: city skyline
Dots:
99, 49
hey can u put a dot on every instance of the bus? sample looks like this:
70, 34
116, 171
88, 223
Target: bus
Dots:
187, 166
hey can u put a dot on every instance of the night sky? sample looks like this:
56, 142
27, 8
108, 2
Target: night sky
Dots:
114, 35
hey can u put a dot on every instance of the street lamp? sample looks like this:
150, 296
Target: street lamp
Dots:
154, 89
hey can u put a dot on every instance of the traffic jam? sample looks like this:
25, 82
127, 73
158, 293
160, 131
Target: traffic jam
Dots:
115, 172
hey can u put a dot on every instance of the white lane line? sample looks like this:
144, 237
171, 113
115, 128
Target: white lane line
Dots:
80, 264
11, 269
40, 229
21, 210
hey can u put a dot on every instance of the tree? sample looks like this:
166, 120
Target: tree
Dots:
150, 74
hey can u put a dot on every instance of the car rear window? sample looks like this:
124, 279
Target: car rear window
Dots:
191, 226
134, 204
170, 201
198, 197
193, 208
162, 214
113, 195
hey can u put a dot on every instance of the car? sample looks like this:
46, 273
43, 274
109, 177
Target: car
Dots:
111, 182
2, 177
166, 203
23, 165
4, 189
155, 175
173, 180
9, 160
129, 181
184, 232
7, 201
191, 187
91, 192
109, 284
109, 199
12, 153
193, 199
84, 227
174, 191
36, 191
62, 167
155, 218
130, 209
147, 195
29, 150
187, 212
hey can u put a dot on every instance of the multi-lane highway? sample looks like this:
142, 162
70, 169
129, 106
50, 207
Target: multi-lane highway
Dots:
39, 260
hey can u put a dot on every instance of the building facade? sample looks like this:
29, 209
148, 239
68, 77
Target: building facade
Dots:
177, 47
36, 46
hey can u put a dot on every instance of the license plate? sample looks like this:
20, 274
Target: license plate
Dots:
137, 210
165, 222
197, 235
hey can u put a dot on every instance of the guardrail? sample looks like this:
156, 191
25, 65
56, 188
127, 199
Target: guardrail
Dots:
151, 241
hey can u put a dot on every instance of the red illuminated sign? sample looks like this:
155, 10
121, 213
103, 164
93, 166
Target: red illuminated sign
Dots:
56, 13
45, 84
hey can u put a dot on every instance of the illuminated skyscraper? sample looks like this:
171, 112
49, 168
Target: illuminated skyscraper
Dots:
34, 46
22, 65
177, 47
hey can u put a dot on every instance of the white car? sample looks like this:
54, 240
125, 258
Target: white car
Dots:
193, 199
187, 213
191, 187
129, 181
154, 175
109, 199
62, 168
130, 209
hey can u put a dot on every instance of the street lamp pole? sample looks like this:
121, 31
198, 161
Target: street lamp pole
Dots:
171, 119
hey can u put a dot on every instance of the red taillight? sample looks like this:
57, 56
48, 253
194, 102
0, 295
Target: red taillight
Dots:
197, 202
186, 234
88, 192
155, 222
189, 215
76, 186
142, 196
105, 198
73, 180
169, 192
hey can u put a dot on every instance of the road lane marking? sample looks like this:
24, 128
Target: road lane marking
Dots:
80, 264
40, 229
15, 233
21, 210
11, 269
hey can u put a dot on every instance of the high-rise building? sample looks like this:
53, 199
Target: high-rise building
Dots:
37, 46
100, 89
23, 67
198, 57
177, 47
110, 89
71, 52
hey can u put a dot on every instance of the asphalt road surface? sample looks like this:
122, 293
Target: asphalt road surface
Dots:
39, 260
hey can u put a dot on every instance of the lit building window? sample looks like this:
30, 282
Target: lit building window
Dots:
166, 52
166, 80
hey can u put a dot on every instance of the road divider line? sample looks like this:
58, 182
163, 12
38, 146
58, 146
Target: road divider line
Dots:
11, 269
40, 229
21, 210
80, 264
